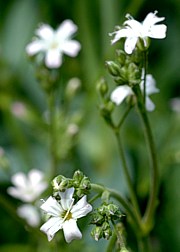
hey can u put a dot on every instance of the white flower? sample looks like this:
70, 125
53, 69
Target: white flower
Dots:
64, 215
121, 92
30, 214
55, 43
27, 188
133, 30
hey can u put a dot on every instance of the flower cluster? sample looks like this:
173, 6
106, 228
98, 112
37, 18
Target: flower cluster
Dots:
106, 213
66, 206
79, 182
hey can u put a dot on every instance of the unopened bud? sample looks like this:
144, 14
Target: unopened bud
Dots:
121, 57
97, 233
113, 68
102, 87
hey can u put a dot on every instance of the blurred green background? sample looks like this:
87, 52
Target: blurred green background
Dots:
23, 147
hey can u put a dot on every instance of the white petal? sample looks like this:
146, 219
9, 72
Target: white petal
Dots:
35, 47
135, 26
30, 213
71, 48
45, 32
35, 176
151, 85
71, 230
157, 31
52, 207
81, 208
122, 33
67, 198
66, 30
120, 93
51, 227
53, 58
19, 179
152, 19
149, 104
130, 44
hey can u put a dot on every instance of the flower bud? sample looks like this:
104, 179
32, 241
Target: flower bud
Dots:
102, 87
77, 177
97, 218
97, 233
85, 183
121, 57
106, 230
113, 68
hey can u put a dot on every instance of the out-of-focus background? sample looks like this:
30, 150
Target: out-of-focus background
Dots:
23, 144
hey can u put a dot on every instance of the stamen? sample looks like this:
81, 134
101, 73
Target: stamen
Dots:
68, 211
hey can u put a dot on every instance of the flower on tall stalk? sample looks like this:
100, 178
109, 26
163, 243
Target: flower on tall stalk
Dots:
121, 92
28, 187
133, 30
64, 215
55, 43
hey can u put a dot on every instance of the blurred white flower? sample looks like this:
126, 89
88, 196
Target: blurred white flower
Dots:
175, 104
28, 187
121, 92
64, 215
55, 43
132, 30
30, 214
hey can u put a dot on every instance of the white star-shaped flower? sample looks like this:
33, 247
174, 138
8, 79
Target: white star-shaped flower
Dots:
132, 30
28, 187
64, 215
55, 43
121, 92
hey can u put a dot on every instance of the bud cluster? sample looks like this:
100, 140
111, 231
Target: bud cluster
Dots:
104, 214
80, 182
127, 69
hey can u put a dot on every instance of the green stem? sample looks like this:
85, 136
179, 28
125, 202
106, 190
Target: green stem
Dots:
133, 214
124, 115
127, 175
152, 203
144, 77
112, 242
52, 133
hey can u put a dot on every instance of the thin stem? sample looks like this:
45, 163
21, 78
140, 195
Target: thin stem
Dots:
144, 77
152, 203
112, 242
133, 214
126, 173
124, 116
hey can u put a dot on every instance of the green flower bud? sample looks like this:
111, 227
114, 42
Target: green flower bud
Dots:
85, 184
102, 87
113, 68
97, 233
60, 183
77, 177
112, 209
121, 57
106, 230
97, 219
